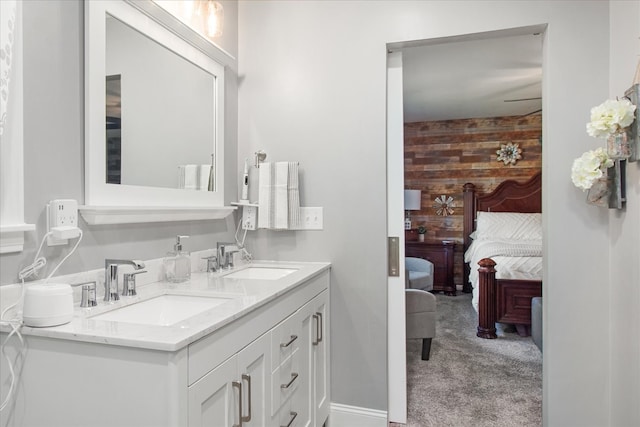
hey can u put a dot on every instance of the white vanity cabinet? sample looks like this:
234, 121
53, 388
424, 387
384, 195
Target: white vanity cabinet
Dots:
230, 376
280, 379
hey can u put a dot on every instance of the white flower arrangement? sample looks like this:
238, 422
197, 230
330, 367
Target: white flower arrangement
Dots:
610, 117
590, 167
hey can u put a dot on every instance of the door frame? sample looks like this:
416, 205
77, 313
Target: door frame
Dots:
396, 330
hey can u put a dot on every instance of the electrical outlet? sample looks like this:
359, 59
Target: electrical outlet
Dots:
249, 217
62, 214
311, 218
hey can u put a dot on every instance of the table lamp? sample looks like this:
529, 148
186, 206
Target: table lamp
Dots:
411, 203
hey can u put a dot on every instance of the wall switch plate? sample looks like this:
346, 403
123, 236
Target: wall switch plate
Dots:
62, 214
311, 218
249, 217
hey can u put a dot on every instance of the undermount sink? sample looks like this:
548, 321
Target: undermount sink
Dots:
164, 310
261, 273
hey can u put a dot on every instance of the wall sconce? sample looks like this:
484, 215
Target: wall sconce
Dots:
215, 18
411, 203
204, 16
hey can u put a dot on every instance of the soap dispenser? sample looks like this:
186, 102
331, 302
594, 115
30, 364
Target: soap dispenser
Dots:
177, 264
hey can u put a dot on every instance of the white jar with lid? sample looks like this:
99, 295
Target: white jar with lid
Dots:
49, 304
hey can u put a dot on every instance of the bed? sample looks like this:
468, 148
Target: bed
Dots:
503, 253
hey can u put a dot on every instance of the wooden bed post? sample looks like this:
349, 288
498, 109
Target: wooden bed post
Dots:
487, 299
469, 216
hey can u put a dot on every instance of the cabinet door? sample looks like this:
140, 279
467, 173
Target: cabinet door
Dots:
254, 363
320, 348
213, 399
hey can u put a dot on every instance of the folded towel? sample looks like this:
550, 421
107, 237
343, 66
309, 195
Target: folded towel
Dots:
188, 177
279, 196
293, 194
265, 199
203, 182
180, 176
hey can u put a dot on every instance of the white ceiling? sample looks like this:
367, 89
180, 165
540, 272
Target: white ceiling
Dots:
472, 78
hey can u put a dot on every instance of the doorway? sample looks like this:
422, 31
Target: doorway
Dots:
450, 79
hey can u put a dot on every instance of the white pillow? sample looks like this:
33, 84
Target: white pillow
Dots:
508, 226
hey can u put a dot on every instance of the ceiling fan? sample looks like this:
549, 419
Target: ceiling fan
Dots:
526, 99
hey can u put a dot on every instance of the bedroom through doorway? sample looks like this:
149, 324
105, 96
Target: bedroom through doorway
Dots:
472, 108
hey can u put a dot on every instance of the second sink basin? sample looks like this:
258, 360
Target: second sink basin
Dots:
164, 310
261, 273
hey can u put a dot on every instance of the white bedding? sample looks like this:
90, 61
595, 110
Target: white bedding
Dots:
514, 260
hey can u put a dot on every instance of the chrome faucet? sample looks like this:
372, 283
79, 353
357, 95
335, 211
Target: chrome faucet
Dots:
111, 276
224, 258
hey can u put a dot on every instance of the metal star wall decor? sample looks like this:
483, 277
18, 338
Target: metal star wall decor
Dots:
509, 153
444, 205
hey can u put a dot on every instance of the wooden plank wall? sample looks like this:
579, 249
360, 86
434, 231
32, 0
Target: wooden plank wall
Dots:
441, 156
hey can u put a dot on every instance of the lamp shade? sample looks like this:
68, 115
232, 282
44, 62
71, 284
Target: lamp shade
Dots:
412, 200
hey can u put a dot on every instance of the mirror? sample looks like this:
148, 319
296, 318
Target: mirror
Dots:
155, 98
153, 111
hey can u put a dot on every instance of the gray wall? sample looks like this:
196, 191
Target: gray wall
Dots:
624, 231
313, 90
53, 150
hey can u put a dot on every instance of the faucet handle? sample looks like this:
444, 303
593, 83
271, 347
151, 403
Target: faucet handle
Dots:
229, 258
129, 286
88, 294
212, 263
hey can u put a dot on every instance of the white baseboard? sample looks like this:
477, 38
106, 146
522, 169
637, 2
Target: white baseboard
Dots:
350, 416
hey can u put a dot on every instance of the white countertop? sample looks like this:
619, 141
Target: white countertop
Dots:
244, 296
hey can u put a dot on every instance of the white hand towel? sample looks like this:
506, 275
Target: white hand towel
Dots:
293, 194
180, 176
265, 199
279, 196
203, 181
282, 197
191, 177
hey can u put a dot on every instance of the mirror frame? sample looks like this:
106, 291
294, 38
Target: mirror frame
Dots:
156, 23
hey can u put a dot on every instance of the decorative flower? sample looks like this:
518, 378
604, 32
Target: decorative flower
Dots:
509, 153
589, 167
610, 117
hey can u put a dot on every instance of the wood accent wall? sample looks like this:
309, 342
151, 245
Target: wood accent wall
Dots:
441, 156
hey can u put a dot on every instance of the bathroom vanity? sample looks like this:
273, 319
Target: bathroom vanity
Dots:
258, 355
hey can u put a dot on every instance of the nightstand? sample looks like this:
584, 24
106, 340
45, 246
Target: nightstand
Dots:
440, 253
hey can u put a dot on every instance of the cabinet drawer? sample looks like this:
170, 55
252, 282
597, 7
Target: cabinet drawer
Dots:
437, 257
284, 381
285, 340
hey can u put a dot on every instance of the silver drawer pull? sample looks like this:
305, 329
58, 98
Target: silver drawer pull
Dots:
293, 378
318, 338
247, 378
293, 338
320, 327
238, 385
293, 417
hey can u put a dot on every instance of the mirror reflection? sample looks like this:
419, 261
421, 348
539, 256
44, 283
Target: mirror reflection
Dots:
160, 108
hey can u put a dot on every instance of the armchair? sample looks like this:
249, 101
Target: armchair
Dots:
421, 318
419, 273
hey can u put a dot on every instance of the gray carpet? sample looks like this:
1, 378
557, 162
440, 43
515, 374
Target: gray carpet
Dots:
470, 381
